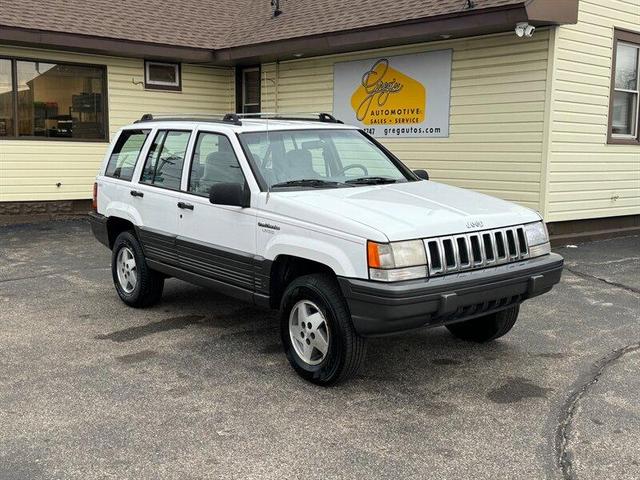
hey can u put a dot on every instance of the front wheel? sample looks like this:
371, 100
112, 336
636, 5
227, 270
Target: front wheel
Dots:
136, 284
317, 333
487, 328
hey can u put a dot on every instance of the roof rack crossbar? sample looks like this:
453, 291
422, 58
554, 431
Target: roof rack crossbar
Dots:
309, 116
197, 117
236, 118
233, 118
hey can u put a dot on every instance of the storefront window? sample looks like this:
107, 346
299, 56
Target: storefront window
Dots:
53, 100
6, 98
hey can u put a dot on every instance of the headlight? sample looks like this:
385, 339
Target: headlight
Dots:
537, 239
392, 262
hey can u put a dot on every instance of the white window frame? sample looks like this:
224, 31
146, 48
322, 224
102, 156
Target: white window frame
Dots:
160, 85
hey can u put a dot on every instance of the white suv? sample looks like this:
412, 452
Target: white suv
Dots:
319, 220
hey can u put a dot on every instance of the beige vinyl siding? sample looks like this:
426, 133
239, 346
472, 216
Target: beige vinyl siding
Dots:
498, 87
587, 178
30, 169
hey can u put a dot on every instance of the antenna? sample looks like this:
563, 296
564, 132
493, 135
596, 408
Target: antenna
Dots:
266, 200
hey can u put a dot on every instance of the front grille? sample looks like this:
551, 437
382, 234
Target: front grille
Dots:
457, 253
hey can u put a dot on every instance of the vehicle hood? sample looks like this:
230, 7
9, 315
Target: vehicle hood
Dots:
401, 211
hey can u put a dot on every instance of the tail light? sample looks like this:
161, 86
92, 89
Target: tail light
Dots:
94, 203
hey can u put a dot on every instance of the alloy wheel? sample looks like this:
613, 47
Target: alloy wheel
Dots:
127, 271
309, 332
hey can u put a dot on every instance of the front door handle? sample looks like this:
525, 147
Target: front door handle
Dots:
185, 206
135, 193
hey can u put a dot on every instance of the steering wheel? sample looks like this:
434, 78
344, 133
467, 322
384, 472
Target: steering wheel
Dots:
352, 166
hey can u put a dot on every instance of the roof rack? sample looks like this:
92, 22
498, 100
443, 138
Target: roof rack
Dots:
236, 118
196, 117
308, 116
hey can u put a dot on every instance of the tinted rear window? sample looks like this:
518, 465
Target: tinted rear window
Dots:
163, 167
124, 155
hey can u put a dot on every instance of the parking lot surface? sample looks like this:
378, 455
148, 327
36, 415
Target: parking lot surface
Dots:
197, 387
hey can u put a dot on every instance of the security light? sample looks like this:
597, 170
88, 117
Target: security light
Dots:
275, 5
523, 29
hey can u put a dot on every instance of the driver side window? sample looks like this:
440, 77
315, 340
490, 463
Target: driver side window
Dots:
163, 166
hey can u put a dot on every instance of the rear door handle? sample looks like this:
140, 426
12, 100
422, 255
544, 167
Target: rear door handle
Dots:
135, 193
185, 206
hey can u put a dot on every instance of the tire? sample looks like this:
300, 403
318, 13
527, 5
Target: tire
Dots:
344, 348
148, 285
487, 328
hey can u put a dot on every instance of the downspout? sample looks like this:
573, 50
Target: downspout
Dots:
547, 141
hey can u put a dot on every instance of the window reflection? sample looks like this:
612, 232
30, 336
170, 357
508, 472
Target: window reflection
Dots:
6, 99
58, 100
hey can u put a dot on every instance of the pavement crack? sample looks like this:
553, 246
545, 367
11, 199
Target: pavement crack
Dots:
50, 274
604, 280
563, 458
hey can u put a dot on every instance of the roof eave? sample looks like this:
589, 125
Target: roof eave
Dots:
463, 24
102, 45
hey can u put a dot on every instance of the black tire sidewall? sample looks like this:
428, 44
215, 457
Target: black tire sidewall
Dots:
127, 239
330, 367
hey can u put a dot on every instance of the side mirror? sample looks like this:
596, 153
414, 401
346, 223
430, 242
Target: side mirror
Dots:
233, 194
423, 174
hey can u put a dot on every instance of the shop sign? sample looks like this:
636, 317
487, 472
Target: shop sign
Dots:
395, 96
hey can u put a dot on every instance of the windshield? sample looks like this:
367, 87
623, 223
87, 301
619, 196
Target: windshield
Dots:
319, 159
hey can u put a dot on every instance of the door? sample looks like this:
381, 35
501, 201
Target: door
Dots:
157, 194
216, 241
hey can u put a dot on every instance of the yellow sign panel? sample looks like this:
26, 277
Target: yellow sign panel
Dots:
387, 96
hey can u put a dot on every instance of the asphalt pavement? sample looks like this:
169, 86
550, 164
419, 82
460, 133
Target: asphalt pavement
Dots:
198, 387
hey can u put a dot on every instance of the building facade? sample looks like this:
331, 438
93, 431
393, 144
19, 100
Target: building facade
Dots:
548, 121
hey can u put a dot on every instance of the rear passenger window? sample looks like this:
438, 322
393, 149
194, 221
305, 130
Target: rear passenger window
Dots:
124, 155
163, 167
213, 162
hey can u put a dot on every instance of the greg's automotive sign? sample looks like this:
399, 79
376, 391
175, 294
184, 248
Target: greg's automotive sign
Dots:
396, 96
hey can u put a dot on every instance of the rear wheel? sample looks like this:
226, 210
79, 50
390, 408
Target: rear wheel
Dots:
136, 284
487, 328
317, 333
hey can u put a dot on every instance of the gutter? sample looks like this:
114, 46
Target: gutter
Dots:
466, 23
119, 47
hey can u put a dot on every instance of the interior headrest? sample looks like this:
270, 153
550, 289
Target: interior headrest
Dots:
299, 157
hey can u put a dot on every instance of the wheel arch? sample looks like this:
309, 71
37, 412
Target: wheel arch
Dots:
286, 268
117, 225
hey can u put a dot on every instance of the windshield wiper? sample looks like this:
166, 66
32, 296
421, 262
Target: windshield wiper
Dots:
307, 182
372, 180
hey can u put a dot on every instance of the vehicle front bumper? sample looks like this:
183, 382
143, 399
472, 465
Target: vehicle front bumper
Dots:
379, 308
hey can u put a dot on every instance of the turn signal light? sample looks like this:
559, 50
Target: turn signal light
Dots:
373, 255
